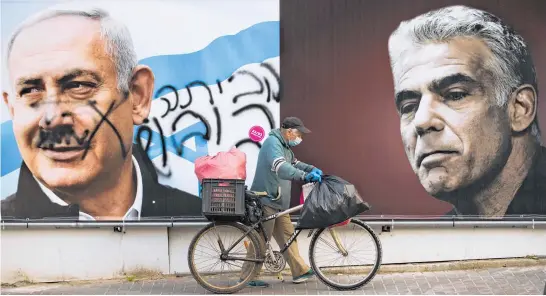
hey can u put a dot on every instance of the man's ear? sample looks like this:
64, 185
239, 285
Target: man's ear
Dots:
142, 87
6, 101
523, 107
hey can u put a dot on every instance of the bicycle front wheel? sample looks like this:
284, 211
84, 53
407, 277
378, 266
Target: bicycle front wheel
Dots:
224, 274
345, 257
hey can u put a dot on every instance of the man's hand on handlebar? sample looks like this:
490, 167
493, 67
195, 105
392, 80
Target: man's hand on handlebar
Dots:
317, 171
313, 177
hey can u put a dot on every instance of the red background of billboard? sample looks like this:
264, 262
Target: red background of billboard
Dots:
336, 78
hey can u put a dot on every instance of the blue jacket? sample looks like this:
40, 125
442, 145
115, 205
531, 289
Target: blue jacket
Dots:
275, 170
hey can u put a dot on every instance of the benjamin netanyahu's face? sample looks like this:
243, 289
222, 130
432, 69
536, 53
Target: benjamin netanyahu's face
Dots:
65, 84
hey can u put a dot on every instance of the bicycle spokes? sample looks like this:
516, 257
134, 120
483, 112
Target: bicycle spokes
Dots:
338, 242
219, 257
345, 255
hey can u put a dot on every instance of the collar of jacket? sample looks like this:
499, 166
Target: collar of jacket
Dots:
277, 134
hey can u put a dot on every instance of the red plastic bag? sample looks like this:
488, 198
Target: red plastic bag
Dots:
305, 190
342, 223
224, 165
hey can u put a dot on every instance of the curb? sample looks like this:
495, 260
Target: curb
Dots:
529, 261
384, 269
462, 265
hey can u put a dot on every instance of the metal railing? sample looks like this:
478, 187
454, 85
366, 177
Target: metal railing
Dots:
375, 221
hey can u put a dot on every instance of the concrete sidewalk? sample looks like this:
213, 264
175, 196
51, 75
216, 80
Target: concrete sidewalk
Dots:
511, 280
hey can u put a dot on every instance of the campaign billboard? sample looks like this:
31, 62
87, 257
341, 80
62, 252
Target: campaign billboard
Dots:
432, 109
107, 104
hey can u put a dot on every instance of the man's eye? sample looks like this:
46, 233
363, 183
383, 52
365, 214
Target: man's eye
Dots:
456, 95
29, 90
407, 108
79, 88
78, 85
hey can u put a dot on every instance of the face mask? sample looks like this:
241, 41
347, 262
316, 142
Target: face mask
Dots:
296, 142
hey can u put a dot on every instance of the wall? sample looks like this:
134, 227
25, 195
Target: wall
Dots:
68, 254
49, 255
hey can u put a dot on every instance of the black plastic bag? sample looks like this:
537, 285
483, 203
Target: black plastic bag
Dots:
331, 202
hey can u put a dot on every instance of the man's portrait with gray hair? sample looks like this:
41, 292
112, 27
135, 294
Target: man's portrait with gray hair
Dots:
75, 93
466, 94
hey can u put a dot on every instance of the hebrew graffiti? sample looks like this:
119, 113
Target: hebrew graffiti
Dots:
215, 106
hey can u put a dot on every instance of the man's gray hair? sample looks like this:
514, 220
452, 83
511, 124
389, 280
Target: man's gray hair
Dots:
119, 45
511, 63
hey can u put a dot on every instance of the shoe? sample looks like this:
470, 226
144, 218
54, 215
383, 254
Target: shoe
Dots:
257, 283
304, 277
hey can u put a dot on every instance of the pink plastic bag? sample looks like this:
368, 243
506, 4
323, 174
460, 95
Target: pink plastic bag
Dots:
224, 165
305, 190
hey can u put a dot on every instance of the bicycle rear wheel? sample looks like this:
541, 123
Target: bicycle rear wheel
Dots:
331, 249
216, 274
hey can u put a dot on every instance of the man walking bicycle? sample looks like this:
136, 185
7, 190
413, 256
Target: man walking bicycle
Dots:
275, 170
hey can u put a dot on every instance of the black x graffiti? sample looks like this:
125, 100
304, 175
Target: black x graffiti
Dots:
104, 118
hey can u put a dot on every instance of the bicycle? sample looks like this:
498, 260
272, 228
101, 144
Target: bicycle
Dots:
256, 243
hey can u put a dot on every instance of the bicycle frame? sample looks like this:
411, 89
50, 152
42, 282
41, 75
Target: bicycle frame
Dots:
275, 216
259, 225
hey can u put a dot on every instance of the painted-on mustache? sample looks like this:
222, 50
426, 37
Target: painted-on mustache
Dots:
50, 138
